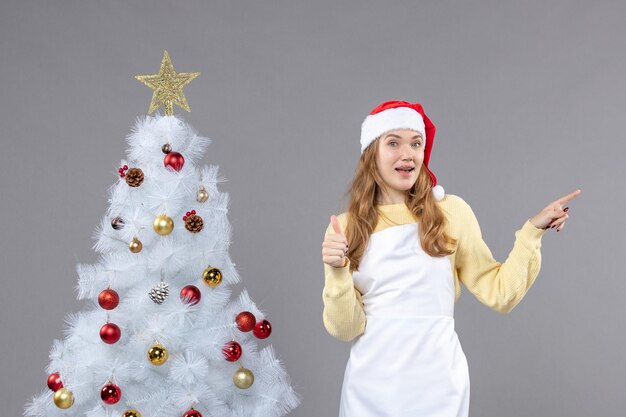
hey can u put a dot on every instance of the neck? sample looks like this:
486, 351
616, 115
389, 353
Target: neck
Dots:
394, 198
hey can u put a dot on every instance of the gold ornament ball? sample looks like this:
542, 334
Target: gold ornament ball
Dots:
63, 398
157, 354
202, 195
212, 276
135, 246
243, 378
131, 413
167, 148
163, 225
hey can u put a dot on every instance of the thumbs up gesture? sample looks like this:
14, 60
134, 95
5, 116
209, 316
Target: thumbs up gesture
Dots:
335, 246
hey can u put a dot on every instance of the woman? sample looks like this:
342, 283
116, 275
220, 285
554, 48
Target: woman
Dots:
393, 277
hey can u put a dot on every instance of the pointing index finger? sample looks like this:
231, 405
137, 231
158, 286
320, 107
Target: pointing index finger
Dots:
568, 197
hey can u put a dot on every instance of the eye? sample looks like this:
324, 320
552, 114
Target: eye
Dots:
416, 144
392, 143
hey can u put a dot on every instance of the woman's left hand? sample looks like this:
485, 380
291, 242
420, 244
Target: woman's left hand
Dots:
554, 214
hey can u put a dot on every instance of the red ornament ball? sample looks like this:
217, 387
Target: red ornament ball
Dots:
245, 321
190, 295
174, 160
110, 393
232, 351
108, 299
54, 381
192, 413
263, 329
110, 333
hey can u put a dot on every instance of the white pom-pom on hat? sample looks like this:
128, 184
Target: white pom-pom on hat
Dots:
438, 192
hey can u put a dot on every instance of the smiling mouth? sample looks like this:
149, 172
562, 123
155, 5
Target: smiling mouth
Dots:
405, 169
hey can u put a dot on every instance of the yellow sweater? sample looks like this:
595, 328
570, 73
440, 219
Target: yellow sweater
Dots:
499, 286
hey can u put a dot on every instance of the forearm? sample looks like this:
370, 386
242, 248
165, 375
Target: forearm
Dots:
344, 317
502, 286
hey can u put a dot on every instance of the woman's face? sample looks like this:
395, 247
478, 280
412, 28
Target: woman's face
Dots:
399, 159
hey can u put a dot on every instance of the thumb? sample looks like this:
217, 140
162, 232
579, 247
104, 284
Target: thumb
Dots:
335, 223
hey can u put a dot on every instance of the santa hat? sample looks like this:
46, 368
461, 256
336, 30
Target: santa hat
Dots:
392, 115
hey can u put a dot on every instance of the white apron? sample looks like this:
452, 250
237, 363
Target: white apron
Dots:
408, 362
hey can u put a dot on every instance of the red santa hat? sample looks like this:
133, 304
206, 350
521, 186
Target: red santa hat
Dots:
392, 115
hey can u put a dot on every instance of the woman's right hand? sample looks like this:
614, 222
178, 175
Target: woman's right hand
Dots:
335, 246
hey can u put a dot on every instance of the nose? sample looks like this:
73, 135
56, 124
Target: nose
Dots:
406, 153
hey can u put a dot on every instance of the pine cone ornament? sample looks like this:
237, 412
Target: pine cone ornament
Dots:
134, 177
159, 292
193, 222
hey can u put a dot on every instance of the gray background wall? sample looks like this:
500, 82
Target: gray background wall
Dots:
528, 98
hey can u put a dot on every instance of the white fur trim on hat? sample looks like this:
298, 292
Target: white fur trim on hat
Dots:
375, 125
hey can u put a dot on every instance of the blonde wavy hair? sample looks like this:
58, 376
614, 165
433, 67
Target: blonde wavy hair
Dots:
366, 189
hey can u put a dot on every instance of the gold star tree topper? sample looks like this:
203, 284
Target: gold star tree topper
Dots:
168, 86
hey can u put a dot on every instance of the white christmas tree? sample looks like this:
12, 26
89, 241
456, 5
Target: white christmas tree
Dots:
161, 336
